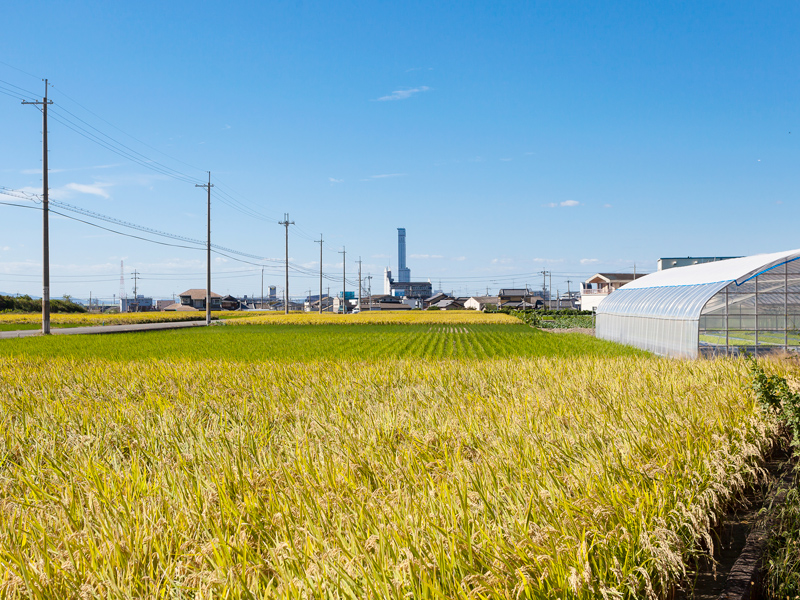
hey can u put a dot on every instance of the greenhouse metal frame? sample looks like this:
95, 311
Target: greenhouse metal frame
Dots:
749, 304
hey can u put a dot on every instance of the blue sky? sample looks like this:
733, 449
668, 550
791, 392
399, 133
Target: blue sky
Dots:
506, 137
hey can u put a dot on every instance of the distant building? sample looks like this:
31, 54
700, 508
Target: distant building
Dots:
196, 299
408, 289
229, 303
669, 263
518, 299
595, 289
138, 304
403, 287
403, 273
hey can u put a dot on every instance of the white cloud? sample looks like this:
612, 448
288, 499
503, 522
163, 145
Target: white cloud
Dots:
425, 256
96, 189
226, 127
606, 206
501, 261
333, 180
5, 248
383, 176
564, 203
459, 258
589, 261
506, 159
403, 94
381, 256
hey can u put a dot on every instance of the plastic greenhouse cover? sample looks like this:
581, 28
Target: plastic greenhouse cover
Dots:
732, 269
682, 292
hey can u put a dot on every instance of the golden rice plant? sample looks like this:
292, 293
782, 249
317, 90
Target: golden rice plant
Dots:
380, 317
522, 478
89, 319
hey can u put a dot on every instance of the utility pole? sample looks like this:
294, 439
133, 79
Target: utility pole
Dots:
262, 288
359, 284
135, 283
286, 222
544, 286
319, 241
569, 296
329, 297
369, 289
208, 187
344, 279
45, 216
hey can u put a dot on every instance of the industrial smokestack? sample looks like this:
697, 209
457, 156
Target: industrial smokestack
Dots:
403, 273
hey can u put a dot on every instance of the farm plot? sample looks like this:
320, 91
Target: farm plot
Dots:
519, 478
328, 342
91, 319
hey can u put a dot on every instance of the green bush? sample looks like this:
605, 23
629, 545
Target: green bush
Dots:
26, 304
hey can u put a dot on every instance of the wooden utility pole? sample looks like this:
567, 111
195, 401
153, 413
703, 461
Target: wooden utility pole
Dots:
359, 284
286, 222
208, 187
319, 241
343, 252
45, 216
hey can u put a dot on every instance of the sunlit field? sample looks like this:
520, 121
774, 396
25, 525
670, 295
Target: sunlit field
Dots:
378, 317
507, 478
287, 343
91, 319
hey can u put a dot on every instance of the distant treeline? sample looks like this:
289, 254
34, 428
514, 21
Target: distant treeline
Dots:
26, 304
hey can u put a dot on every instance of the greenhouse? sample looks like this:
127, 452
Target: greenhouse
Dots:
749, 304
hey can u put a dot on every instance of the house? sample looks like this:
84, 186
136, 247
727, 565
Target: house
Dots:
434, 299
228, 303
177, 306
450, 303
530, 303
312, 304
163, 304
595, 289
482, 302
196, 298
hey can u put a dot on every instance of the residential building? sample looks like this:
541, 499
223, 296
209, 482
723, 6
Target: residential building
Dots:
196, 298
482, 302
595, 289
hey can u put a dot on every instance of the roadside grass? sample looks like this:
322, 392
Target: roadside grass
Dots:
287, 343
587, 478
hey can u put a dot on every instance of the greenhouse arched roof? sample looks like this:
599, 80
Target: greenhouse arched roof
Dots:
660, 312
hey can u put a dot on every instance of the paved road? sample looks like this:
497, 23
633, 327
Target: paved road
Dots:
103, 329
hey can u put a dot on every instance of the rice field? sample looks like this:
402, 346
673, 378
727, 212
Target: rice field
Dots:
384, 455
378, 317
288, 343
507, 478
91, 319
